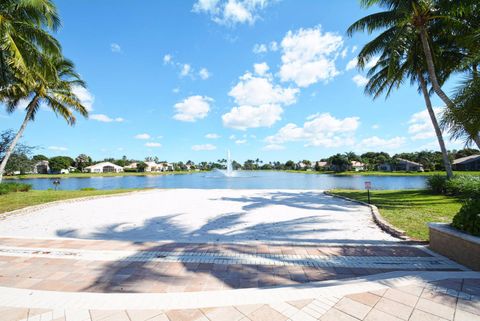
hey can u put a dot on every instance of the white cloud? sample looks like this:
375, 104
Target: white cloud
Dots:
273, 46
152, 144
142, 136
376, 143
360, 81
232, 137
259, 48
57, 148
185, 71
308, 56
86, 98
246, 116
167, 59
375, 126
231, 12
354, 48
115, 47
105, 119
261, 69
272, 147
352, 64
192, 108
176, 90
204, 73
240, 141
255, 91
212, 136
319, 130
204, 147
420, 124
344, 53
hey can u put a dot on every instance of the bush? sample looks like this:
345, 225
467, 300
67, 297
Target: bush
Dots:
437, 184
464, 186
468, 218
6, 188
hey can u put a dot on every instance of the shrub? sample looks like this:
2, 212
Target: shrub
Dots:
468, 218
437, 184
6, 188
464, 186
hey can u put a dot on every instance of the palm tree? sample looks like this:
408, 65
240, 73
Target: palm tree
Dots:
52, 90
399, 47
434, 21
24, 37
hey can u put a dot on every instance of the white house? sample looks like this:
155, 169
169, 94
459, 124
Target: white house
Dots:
357, 166
41, 167
104, 167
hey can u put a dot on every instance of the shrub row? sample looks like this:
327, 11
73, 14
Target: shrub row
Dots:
467, 188
461, 186
6, 188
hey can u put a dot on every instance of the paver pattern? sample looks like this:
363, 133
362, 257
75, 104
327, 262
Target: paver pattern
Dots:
58, 265
451, 299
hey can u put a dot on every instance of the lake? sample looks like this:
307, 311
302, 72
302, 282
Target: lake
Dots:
242, 180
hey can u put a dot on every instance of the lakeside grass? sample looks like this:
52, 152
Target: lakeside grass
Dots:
17, 200
409, 210
379, 173
86, 175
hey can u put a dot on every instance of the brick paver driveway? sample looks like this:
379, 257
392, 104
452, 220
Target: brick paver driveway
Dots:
299, 263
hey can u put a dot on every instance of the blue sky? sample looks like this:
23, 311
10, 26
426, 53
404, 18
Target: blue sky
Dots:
273, 79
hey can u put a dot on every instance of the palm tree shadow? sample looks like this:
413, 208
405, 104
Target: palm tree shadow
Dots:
226, 232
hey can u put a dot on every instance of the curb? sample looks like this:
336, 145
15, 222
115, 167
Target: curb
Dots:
379, 220
34, 208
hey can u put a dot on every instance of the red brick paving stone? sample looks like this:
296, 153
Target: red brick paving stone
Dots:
395, 308
266, 313
419, 315
365, 298
353, 308
13, 314
300, 304
223, 314
336, 315
186, 315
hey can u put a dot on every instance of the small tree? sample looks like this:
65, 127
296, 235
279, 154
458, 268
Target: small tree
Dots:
141, 166
58, 163
340, 162
82, 161
289, 165
39, 158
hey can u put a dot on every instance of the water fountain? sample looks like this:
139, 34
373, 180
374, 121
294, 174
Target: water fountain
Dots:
229, 172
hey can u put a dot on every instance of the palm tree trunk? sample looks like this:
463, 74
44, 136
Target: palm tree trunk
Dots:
438, 132
431, 69
19, 134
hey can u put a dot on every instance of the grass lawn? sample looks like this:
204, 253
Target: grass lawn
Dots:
409, 210
377, 173
73, 175
15, 201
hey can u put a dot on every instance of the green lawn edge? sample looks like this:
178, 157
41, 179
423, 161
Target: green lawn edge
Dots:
18, 200
409, 210
378, 173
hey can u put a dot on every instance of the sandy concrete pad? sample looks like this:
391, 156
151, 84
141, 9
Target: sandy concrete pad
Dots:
191, 215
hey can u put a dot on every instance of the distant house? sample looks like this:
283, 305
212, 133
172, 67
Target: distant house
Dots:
166, 167
41, 167
104, 167
321, 165
153, 167
131, 166
469, 163
409, 166
357, 166
401, 165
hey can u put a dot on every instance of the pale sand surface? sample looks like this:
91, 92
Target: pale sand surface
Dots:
198, 215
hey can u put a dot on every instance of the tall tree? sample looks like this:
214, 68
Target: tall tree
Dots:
55, 91
25, 37
399, 48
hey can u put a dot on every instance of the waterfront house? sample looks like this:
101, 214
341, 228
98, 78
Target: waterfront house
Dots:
319, 165
401, 164
468, 163
357, 166
104, 167
41, 167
